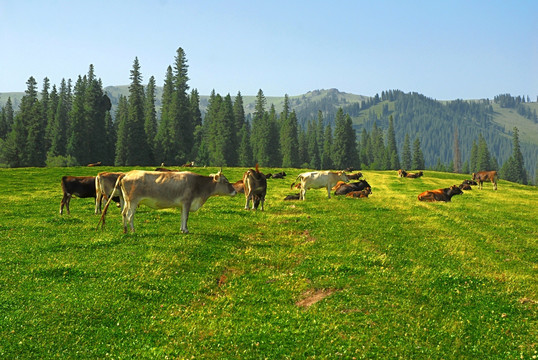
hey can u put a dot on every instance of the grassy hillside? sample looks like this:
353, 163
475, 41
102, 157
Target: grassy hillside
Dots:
383, 277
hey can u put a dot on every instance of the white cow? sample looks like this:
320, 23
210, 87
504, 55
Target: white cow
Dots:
160, 190
104, 188
319, 179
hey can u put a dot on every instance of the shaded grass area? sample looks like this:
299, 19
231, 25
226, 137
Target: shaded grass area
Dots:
384, 277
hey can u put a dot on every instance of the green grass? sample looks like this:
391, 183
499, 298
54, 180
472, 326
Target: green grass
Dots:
395, 278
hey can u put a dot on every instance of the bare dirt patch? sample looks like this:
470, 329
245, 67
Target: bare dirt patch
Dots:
310, 297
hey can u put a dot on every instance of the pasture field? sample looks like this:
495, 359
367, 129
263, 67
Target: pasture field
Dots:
383, 277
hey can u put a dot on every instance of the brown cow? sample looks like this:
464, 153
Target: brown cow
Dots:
414, 175
104, 187
402, 173
355, 176
359, 194
344, 189
161, 190
465, 186
255, 186
238, 186
482, 176
95, 164
80, 186
440, 194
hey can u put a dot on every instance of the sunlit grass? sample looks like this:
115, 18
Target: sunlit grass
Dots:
387, 276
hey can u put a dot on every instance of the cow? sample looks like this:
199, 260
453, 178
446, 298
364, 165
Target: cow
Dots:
469, 182
292, 197
255, 186
80, 186
343, 189
189, 164
360, 194
238, 186
279, 175
160, 190
319, 179
440, 194
104, 187
355, 176
482, 176
402, 173
464, 186
414, 175
95, 164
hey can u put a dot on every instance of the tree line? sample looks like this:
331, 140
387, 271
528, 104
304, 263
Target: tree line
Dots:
73, 125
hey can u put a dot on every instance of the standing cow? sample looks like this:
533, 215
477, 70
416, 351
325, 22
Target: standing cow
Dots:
482, 176
318, 180
255, 187
104, 188
80, 186
160, 190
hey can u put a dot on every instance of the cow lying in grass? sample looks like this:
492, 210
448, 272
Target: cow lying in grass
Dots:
440, 194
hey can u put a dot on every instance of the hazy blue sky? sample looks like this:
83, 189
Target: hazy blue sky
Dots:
442, 49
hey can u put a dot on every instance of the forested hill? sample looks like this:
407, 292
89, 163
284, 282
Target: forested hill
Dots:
432, 121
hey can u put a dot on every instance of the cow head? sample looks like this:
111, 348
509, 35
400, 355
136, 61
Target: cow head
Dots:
342, 175
455, 190
223, 186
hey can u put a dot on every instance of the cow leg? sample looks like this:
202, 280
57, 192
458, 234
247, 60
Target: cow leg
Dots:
65, 202
329, 191
262, 200
247, 201
98, 199
494, 185
185, 217
128, 215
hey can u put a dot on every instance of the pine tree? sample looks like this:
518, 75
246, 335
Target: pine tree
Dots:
320, 131
110, 140
181, 119
407, 160
273, 139
78, 139
7, 119
122, 133
392, 148
164, 151
36, 125
302, 149
378, 149
226, 132
418, 157
260, 131
96, 104
344, 143
514, 168
245, 148
197, 121
58, 125
289, 141
457, 155
138, 149
473, 160
484, 157
312, 143
326, 158
150, 118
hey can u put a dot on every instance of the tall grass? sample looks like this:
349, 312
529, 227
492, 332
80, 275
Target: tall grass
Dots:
383, 277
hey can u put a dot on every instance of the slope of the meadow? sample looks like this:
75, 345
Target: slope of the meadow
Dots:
382, 277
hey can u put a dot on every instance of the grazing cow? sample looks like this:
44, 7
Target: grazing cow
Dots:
255, 185
343, 189
160, 190
80, 186
95, 164
319, 179
465, 186
355, 176
238, 186
293, 197
189, 164
360, 194
104, 188
414, 175
482, 176
279, 175
440, 194
402, 173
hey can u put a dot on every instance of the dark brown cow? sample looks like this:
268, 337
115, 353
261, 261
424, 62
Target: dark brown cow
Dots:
402, 173
344, 188
482, 176
279, 175
469, 182
355, 176
440, 194
360, 194
80, 186
293, 197
255, 186
464, 186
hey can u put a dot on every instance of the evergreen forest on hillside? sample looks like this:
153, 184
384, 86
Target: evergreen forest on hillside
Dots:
81, 122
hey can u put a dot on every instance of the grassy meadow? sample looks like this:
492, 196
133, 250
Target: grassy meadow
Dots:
382, 277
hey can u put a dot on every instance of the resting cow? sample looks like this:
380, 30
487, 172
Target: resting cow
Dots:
343, 189
292, 197
104, 188
319, 179
440, 194
360, 194
355, 176
414, 175
255, 187
465, 186
482, 176
279, 175
402, 173
160, 190
80, 186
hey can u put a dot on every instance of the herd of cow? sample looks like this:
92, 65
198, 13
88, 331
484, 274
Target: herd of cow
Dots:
166, 188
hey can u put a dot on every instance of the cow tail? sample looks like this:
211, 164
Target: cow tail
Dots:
257, 169
103, 215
